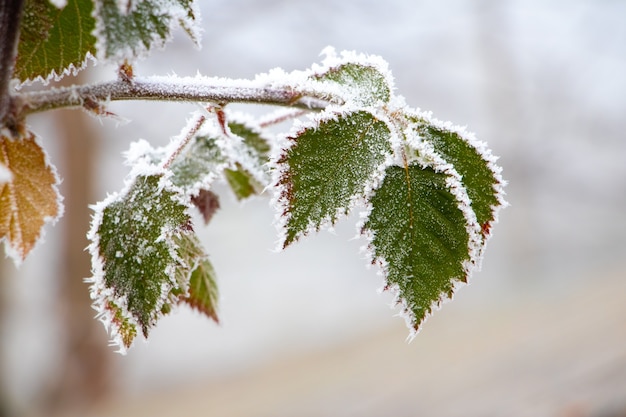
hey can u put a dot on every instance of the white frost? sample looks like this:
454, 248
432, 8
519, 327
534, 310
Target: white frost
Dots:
59, 4
5, 174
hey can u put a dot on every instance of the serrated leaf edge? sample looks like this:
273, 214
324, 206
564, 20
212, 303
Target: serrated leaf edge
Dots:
481, 148
427, 157
279, 200
9, 250
71, 70
99, 293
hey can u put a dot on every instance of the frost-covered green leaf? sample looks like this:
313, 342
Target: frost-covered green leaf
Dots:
418, 234
197, 275
54, 41
254, 140
327, 167
253, 155
473, 161
199, 164
141, 25
240, 155
357, 83
138, 262
203, 293
241, 182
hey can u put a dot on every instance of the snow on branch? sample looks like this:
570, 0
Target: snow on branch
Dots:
171, 88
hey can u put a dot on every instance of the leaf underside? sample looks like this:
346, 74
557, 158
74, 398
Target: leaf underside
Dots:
54, 40
327, 167
30, 199
419, 237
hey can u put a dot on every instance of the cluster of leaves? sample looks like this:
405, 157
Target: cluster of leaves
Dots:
56, 39
427, 192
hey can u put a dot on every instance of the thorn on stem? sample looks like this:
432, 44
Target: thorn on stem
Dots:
96, 108
221, 118
125, 72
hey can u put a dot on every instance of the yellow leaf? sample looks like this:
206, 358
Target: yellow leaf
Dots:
30, 198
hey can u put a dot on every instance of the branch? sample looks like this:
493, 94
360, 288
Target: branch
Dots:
10, 18
188, 89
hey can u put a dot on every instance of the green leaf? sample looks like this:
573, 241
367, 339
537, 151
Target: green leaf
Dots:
204, 160
202, 291
360, 84
476, 166
418, 235
241, 182
327, 167
54, 41
199, 164
254, 140
188, 19
135, 242
146, 24
252, 155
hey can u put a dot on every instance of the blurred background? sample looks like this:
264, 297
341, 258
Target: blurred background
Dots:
540, 330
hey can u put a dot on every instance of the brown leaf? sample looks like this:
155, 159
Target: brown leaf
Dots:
207, 203
30, 199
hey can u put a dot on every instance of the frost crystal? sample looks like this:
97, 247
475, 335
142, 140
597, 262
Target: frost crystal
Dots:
5, 174
59, 4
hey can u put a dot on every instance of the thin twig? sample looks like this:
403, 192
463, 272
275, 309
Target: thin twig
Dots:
197, 124
283, 117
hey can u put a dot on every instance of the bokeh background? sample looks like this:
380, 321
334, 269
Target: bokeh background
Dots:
540, 331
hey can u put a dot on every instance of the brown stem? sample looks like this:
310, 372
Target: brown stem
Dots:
10, 18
